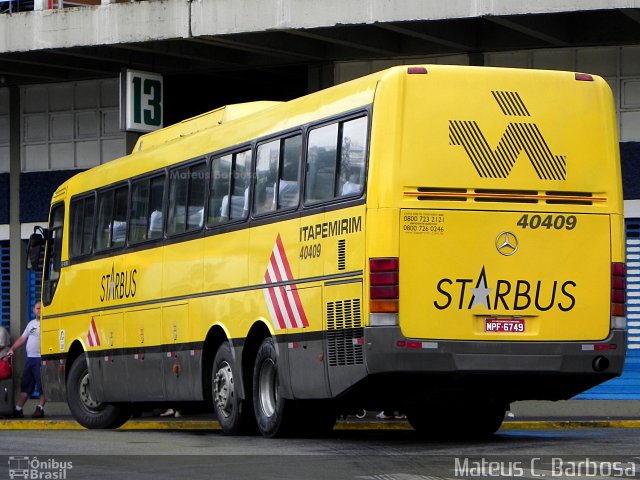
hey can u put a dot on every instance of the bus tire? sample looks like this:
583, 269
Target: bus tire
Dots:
230, 409
88, 412
274, 414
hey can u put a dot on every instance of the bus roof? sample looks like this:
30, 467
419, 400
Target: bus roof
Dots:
245, 122
205, 121
237, 125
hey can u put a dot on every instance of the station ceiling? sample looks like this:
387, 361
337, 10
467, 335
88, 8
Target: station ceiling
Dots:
276, 51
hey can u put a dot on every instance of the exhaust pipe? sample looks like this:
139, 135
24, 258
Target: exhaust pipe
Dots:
600, 363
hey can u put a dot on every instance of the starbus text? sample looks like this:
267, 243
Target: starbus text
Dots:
118, 285
515, 295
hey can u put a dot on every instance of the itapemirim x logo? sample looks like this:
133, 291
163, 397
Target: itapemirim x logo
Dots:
518, 136
38, 468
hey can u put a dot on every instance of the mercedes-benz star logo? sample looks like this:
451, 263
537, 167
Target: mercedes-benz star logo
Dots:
507, 243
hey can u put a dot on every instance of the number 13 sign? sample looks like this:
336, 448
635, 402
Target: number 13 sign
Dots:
141, 95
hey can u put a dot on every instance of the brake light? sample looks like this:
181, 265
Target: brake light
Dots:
584, 77
416, 70
618, 290
384, 288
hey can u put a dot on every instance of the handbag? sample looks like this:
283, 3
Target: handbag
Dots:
5, 367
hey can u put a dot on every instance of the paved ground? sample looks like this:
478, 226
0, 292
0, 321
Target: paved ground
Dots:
523, 415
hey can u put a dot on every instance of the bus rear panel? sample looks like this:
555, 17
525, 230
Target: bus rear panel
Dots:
507, 236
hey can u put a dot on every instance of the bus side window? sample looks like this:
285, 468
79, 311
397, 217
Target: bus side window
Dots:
322, 151
267, 160
352, 157
104, 219
81, 228
289, 183
178, 191
53, 255
147, 197
240, 185
156, 200
87, 227
119, 229
186, 199
195, 205
219, 189
229, 197
111, 221
139, 210
277, 175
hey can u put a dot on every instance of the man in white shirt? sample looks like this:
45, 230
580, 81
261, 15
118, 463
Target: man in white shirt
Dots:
31, 379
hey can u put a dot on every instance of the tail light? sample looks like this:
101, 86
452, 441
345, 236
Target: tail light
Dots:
384, 288
618, 294
417, 70
584, 77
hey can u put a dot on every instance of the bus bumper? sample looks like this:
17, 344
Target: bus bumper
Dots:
522, 369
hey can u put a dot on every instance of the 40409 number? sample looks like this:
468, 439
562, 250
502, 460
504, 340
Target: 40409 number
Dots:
557, 222
310, 251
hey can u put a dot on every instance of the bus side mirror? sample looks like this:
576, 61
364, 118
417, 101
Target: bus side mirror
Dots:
34, 248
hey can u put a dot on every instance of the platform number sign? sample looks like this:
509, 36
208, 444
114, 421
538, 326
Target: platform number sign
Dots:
141, 95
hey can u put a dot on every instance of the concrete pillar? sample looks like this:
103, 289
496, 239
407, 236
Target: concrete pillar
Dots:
17, 289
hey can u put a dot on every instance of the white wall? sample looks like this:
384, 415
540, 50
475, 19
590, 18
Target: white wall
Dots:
70, 125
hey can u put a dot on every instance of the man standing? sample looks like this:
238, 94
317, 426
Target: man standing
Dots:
31, 380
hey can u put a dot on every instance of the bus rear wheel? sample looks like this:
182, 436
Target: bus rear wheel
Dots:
274, 414
88, 412
230, 409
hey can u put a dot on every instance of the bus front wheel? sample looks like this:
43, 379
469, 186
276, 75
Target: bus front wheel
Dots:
273, 412
88, 412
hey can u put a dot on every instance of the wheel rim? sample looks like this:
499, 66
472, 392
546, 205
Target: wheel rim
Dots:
268, 387
224, 390
85, 394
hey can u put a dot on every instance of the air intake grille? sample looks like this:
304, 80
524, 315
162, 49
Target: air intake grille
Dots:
503, 196
342, 254
344, 333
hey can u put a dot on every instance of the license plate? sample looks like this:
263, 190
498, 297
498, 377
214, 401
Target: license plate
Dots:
504, 325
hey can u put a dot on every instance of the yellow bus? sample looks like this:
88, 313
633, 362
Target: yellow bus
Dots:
439, 240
